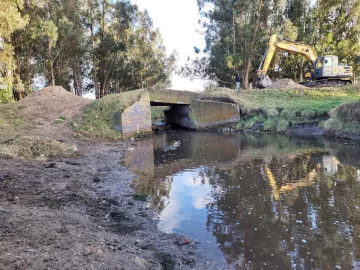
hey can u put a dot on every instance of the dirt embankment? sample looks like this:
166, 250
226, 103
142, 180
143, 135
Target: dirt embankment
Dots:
77, 212
51, 112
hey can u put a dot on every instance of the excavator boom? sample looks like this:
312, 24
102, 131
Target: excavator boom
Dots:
284, 45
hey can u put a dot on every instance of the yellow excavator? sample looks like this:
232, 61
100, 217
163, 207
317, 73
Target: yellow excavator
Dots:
325, 70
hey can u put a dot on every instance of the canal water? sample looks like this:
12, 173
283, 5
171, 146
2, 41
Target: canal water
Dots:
255, 201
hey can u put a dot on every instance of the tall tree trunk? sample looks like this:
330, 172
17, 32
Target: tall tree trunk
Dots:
27, 71
52, 73
77, 80
246, 72
301, 70
250, 49
96, 86
234, 33
103, 21
16, 91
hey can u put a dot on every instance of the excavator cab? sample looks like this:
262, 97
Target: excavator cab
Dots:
328, 67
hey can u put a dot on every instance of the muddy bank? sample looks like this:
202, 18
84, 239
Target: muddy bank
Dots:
302, 111
302, 130
80, 213
315, 130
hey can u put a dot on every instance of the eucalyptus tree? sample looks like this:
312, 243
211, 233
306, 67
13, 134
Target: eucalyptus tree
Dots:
101, 45
237, 32
11, 20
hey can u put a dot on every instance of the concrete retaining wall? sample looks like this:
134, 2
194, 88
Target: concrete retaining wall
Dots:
137, 118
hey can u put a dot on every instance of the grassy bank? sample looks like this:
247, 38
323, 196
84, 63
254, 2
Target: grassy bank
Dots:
277, 110
265, 110
344, 118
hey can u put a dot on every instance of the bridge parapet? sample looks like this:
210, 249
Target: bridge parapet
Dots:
168, 97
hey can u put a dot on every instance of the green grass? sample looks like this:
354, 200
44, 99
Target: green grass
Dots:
349, 112
98, 119
282, 126
344, 118
278, 109
270, 125
296, 104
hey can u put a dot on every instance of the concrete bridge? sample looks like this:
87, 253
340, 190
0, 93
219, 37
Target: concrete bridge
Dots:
186, 109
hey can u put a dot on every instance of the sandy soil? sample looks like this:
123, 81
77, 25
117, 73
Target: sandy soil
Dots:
79, 213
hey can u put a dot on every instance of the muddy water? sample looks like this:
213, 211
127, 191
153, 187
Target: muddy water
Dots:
255, 202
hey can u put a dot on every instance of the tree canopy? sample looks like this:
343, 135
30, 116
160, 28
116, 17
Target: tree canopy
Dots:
100, 45
238, 31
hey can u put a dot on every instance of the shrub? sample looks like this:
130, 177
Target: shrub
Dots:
270, 125
282, 126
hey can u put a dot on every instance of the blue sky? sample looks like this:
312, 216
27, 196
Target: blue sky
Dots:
178, 22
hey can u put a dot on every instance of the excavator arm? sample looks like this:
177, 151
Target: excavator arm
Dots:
288, 46
282, 45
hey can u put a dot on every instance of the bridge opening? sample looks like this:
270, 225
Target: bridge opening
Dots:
166, 116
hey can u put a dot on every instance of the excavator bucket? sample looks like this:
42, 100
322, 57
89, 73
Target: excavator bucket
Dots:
262, 82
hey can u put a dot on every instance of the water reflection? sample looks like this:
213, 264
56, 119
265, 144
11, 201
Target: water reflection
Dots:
256, 202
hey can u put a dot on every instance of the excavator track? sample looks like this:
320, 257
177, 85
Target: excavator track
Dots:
326, 83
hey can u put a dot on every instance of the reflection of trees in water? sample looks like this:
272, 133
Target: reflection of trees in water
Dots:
249, 222
315, 227
158, 189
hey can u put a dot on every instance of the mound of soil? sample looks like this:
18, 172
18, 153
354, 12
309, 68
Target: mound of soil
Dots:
50, 103
50, 112
286, 84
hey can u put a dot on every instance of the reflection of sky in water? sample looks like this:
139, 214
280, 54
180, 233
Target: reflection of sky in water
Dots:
186, 211
256, 202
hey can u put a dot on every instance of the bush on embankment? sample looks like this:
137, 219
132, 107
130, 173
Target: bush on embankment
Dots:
344, 118
97, 121
276, 110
